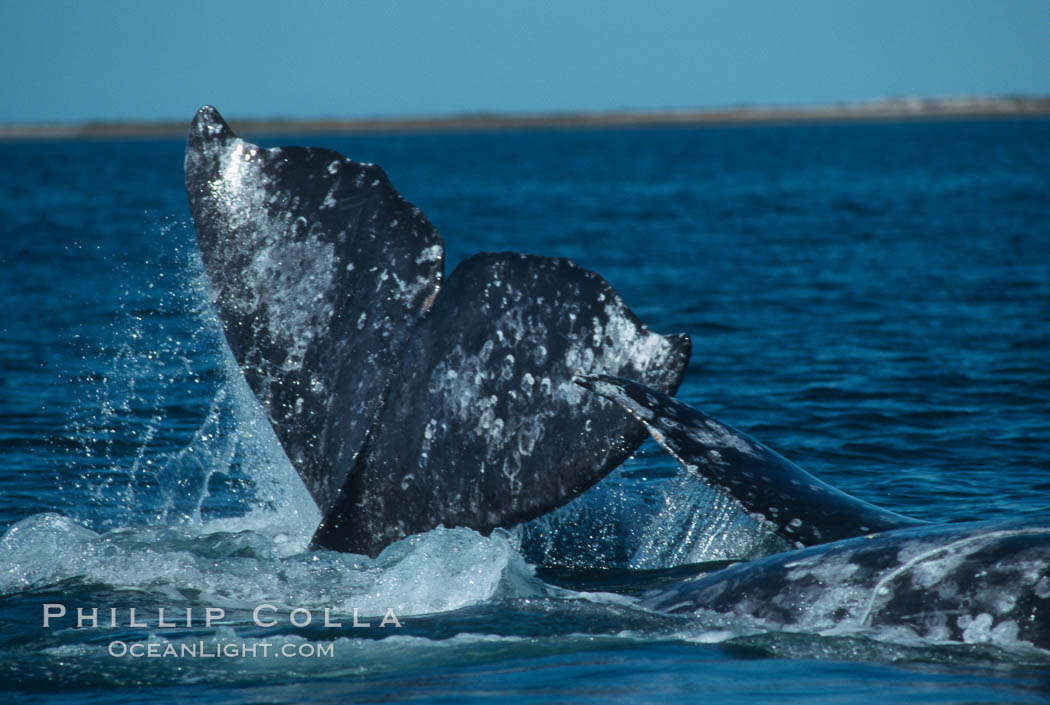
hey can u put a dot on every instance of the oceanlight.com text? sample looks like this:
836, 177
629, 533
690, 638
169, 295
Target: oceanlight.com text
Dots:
230, 650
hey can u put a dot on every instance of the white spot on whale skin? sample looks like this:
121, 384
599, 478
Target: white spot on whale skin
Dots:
539, 355
429, 254
713, 434
1004, 603
976, 630
545, 386
507, 368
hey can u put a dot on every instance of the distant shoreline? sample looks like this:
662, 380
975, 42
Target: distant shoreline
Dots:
905, 109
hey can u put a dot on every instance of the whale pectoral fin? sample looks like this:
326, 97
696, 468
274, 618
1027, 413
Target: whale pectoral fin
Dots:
800, 507
483, 426
319, 268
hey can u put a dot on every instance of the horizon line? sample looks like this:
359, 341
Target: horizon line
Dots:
883, 109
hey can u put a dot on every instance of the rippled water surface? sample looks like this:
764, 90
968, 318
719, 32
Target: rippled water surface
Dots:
872, 301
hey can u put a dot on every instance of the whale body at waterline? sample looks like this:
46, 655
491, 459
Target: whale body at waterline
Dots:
967, 583
857, 568
406, 401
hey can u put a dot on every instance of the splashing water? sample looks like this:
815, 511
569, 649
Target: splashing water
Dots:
696, 524
220, 471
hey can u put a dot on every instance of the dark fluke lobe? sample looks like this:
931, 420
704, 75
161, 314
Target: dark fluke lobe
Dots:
319, 269
401, 408
803, 509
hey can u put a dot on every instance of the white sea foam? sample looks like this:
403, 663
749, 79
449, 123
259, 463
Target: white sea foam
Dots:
444, 569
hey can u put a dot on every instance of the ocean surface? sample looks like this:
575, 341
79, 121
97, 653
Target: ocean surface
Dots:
870, 300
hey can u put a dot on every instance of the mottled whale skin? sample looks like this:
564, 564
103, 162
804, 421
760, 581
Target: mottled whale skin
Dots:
799, 507
858, 568
404, 401
973, 583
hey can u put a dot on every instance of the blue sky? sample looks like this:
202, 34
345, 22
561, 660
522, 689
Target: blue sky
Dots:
155, 59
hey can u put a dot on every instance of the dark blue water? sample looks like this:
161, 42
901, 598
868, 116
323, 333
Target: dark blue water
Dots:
873, 301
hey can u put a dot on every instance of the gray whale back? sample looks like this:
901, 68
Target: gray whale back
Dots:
403, 408
979, 582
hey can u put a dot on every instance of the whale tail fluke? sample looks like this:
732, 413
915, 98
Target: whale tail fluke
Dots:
403, 408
